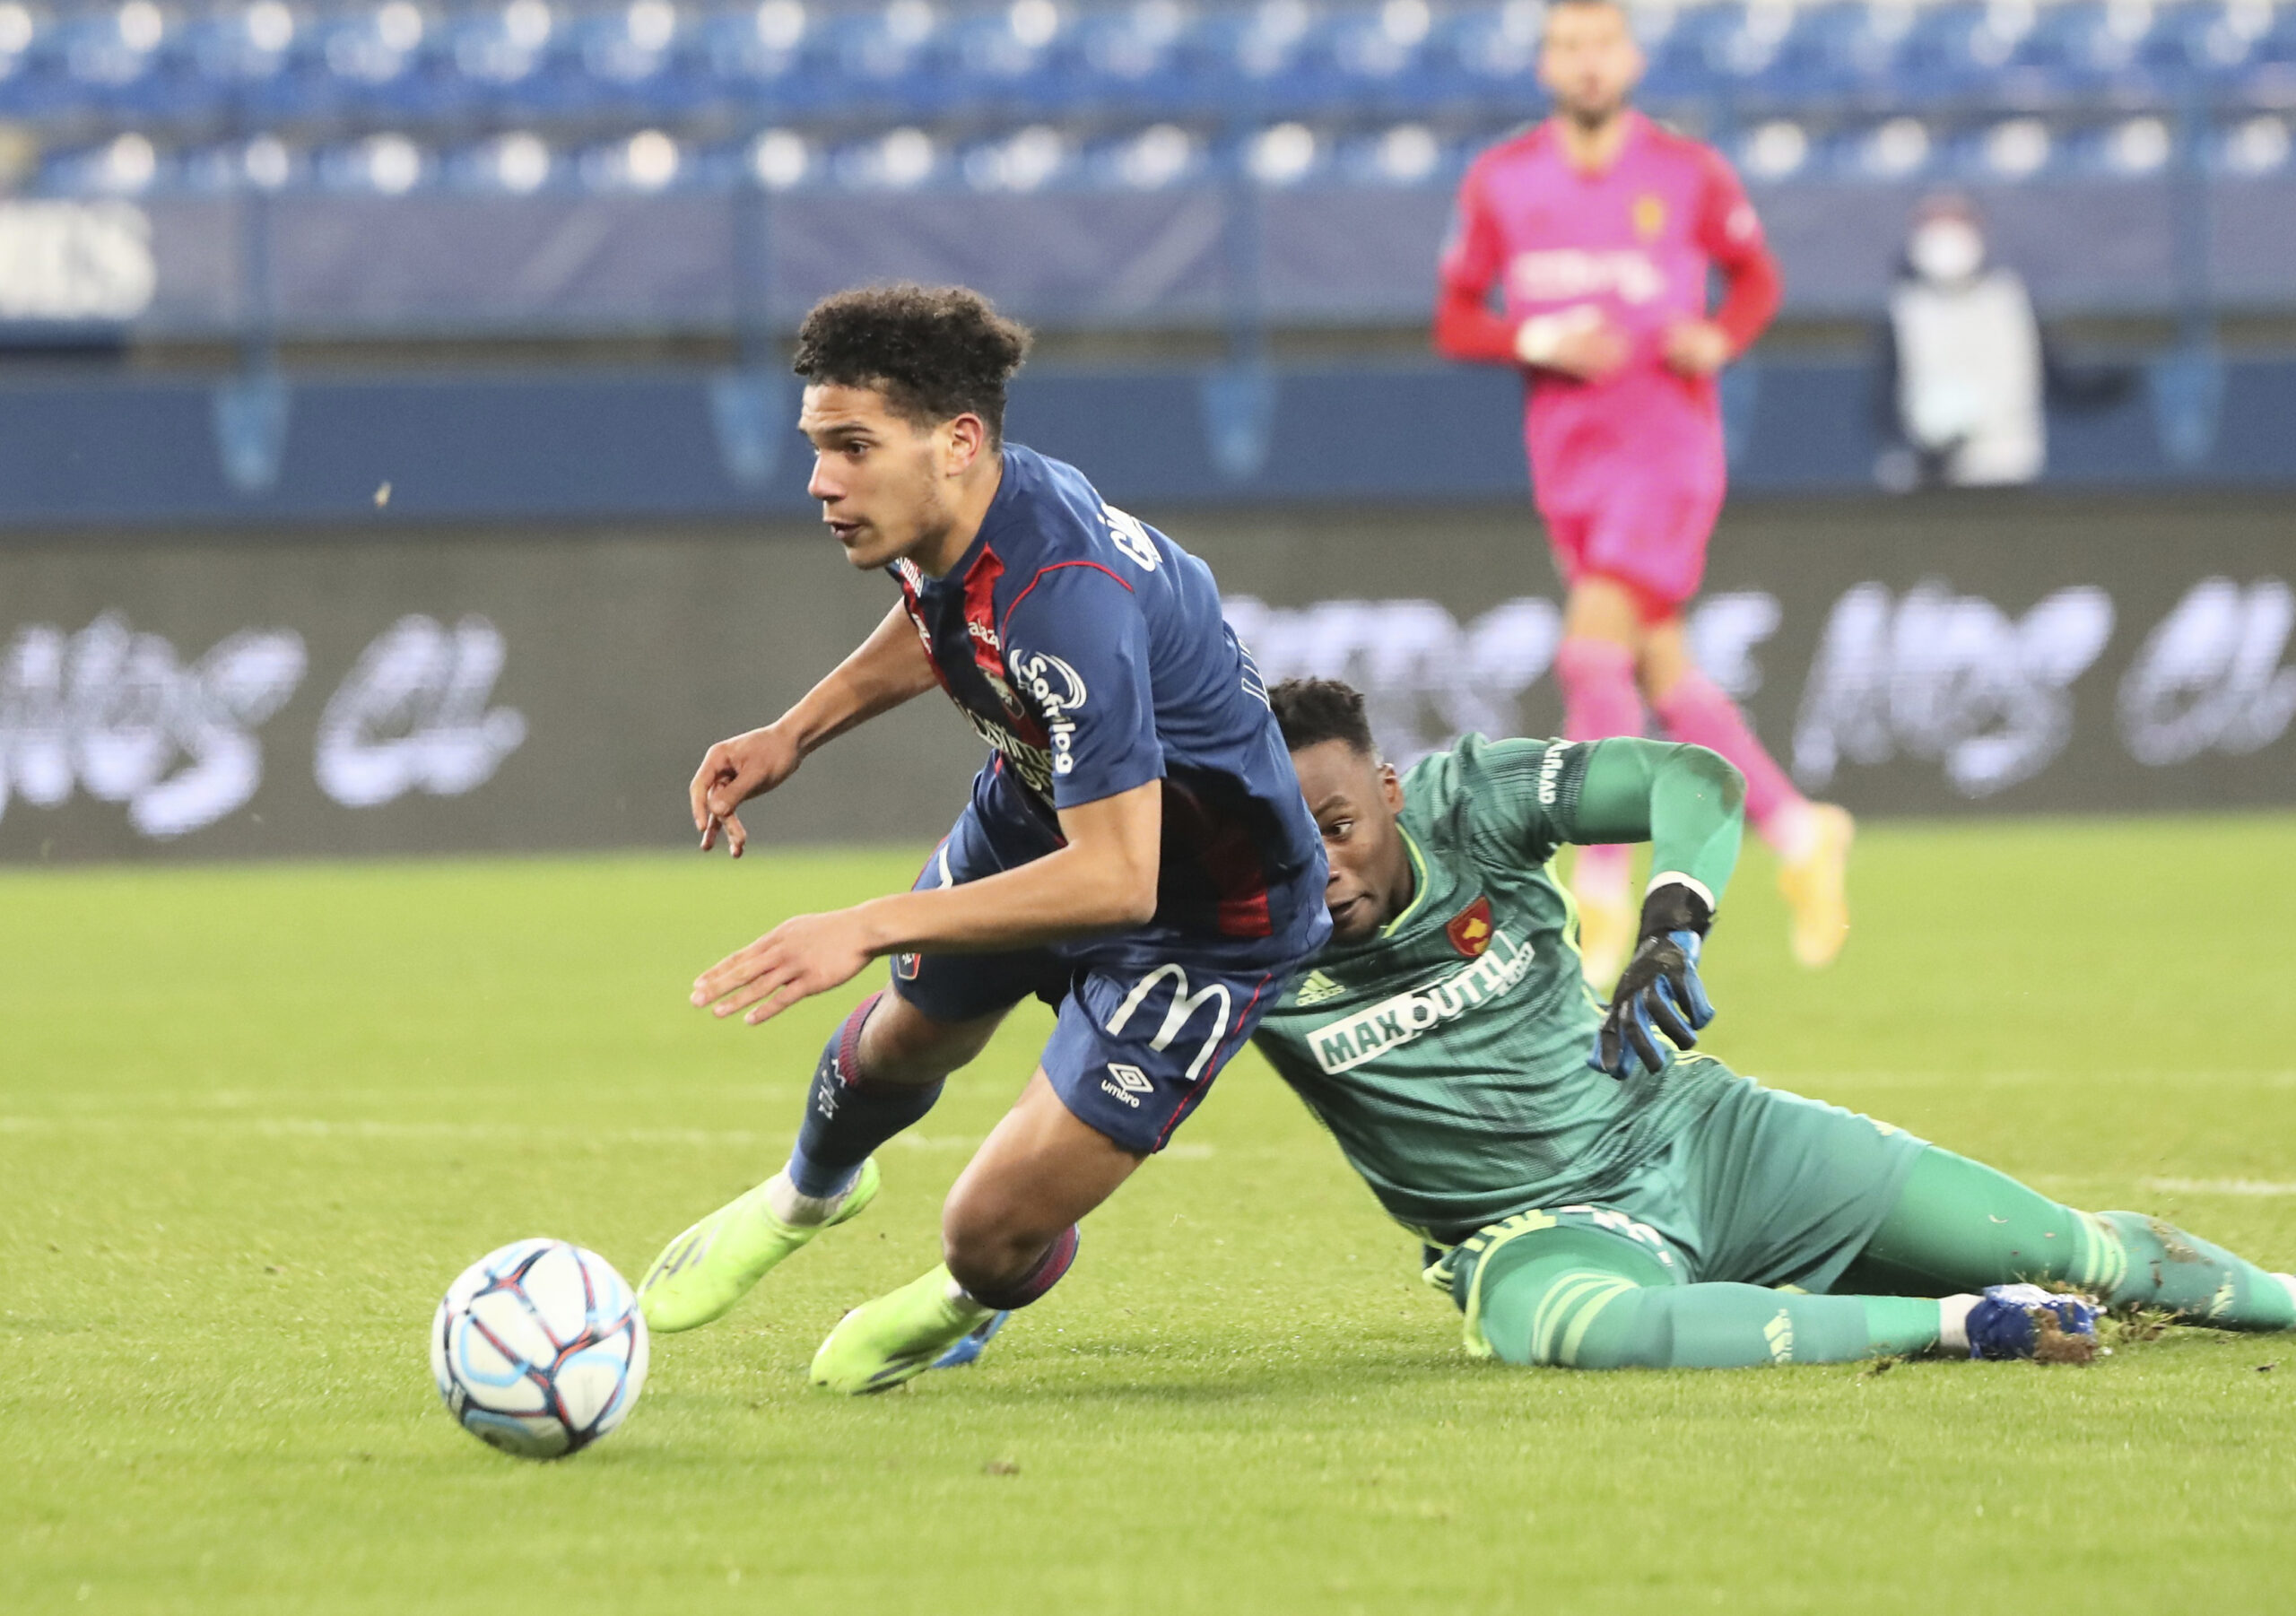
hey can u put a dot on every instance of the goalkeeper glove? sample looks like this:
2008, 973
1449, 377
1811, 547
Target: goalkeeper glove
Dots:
1659, 991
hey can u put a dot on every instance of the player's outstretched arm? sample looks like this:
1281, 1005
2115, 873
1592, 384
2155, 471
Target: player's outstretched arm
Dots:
1103, 879
888, 669
1690, 804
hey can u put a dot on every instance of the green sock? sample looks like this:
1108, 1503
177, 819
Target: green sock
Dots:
2140, 1261
1553, 1300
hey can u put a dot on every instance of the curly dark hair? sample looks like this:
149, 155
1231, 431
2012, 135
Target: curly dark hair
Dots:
936, 352
1311, 711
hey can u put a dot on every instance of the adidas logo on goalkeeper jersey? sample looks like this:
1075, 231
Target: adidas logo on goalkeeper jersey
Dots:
1316, 989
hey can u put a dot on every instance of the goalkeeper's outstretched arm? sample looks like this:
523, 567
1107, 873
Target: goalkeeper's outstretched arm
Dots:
1690, 804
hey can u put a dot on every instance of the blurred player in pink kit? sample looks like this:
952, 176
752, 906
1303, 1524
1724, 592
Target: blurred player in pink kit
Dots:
1599, 229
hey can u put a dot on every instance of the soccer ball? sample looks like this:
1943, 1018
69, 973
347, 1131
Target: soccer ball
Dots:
539, 1349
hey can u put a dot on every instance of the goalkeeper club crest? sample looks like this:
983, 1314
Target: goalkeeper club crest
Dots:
1470, 929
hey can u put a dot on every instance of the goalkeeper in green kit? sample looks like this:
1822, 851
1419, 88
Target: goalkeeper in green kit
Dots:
1639, 1207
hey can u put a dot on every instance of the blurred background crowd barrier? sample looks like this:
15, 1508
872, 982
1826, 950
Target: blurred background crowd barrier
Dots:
345, 348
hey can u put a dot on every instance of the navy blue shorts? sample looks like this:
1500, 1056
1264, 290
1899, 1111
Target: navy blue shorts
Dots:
1137, 1043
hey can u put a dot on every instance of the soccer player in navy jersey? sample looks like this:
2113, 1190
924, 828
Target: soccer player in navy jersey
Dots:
1136, 850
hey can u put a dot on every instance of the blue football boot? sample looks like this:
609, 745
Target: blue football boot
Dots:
969, 1347
2025, 1321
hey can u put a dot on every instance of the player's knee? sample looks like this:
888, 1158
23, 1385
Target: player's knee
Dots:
993, 1257
902, 1044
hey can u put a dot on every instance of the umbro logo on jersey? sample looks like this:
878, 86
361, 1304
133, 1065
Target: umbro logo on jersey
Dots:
1316, 989
1470, 929
1127, 1084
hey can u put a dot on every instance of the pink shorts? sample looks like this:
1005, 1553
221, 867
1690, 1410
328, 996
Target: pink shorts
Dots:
1652, 540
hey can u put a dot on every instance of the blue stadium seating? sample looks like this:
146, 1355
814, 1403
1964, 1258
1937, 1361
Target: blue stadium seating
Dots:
402, 95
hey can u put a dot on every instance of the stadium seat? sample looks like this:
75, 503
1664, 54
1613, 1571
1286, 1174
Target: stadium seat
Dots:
1408, 154
1003, 60
646, 162
1129, 58
1028, 158
778, 160
2130, 148
903, 159
2253, 148
2004, 151
516, 163
388, 164
1891, 149
126, 165
1774, 151
1157, 157
1489, 53
1282, 155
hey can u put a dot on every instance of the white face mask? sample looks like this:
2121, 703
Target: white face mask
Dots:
1945, 249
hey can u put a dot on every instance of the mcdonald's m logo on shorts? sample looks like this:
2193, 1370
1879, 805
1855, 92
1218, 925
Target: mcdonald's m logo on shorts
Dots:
1184, 1006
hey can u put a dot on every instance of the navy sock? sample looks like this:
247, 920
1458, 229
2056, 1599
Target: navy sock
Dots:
1056, 1260
848, 1117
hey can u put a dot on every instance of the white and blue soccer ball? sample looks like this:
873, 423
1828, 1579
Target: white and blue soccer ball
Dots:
539, 1349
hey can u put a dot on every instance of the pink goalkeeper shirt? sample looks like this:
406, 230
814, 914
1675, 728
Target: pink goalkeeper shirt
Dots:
1637, 242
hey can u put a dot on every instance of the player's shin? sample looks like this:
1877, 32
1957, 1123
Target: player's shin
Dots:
846, 1116
1961, 1226
1708, 1326
2136, 1261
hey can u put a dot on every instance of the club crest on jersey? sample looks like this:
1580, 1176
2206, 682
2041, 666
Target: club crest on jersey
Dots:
1649, 216
1470, 929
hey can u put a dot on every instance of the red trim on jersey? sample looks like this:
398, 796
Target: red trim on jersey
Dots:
916, 614
980, 615
1056, 567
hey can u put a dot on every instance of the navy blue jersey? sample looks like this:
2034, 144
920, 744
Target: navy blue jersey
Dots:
1088, 649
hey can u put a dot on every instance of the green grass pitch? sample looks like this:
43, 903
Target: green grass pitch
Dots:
252, 1120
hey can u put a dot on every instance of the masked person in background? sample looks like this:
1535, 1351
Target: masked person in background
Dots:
1966, 371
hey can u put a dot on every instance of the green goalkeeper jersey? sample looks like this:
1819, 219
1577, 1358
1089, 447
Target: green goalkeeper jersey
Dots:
1447, 1053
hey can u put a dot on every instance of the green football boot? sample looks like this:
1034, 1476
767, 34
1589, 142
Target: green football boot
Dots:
705, 1271
882, 1343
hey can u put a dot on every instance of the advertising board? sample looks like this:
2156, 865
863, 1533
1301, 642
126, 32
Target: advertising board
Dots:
501, 690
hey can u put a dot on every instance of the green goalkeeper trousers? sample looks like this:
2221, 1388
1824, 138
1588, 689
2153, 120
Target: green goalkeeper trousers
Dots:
1588, 1287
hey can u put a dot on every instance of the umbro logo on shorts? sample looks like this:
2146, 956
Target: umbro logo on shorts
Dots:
1128, 1084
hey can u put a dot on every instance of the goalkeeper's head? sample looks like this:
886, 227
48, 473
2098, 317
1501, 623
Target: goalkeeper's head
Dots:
1355, 798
